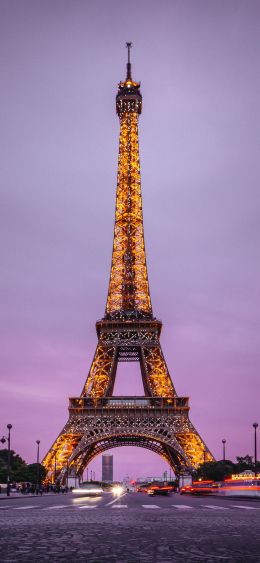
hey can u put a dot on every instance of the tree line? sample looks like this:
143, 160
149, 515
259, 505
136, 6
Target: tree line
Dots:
20, 471
220, 470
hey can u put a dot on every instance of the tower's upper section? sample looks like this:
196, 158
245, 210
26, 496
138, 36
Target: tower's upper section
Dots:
128, 294
129, 96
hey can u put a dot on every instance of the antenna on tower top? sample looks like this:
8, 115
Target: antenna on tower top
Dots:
128, 66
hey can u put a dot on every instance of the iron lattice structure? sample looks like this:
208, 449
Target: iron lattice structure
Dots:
128, 332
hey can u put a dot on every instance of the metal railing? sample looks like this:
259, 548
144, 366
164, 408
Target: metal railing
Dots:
176, 403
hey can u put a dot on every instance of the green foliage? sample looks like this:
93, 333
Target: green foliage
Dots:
19, 469
16, 463
215, 470
29, 473
245, 463
220, 470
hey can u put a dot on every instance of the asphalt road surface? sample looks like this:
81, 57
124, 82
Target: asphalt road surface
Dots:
133, 528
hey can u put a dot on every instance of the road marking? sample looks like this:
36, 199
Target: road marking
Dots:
115, 500
214, 507
119, 506
25, 507
85, 507
8, 506
150, 506
182, 506
245, 507
56, 507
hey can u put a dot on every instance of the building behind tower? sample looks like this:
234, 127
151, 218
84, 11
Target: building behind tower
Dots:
107, 468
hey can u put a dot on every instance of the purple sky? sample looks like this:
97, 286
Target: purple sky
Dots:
199, 144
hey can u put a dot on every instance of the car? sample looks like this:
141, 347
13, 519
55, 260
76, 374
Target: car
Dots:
202, 487
159, 491
186, 490
88, 489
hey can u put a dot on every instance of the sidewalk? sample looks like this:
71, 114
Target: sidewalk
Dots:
3, 496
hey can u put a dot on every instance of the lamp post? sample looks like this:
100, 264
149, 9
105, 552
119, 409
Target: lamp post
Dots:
3, 440
55, 466
67, 474
38, 465
224, 449
204, 455
255, 426
87, 474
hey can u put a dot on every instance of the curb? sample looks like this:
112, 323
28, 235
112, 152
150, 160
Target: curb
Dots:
29, 496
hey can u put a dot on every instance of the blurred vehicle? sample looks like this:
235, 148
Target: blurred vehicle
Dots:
156, 490
204, 487
241, 486
88, 489
118, 490
186, 490
141, 489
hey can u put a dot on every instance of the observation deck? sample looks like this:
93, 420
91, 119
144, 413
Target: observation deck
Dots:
178, 404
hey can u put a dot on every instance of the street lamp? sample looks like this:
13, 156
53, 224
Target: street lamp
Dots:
67, 474
255, 426
224, 449
55, 465
3, 440
38, 464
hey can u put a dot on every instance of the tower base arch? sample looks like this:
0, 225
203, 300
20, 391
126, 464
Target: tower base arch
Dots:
93, 429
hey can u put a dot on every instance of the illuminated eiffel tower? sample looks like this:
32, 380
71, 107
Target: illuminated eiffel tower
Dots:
128, 332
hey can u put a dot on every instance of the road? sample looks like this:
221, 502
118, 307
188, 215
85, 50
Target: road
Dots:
133, 528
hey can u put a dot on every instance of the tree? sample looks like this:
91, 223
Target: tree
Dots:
29, 473
16, 464
246, 463
19, 469
220, 470
215, 470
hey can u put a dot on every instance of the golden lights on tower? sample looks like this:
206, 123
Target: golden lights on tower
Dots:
128, 288
128, 331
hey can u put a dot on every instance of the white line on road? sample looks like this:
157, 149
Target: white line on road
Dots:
56, 507
214, 507
150, 506
6, 506
25, 507
115, 500
85, 507
182, 506
119, 506
245, 507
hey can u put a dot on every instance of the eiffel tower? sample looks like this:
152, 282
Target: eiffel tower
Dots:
128, 332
